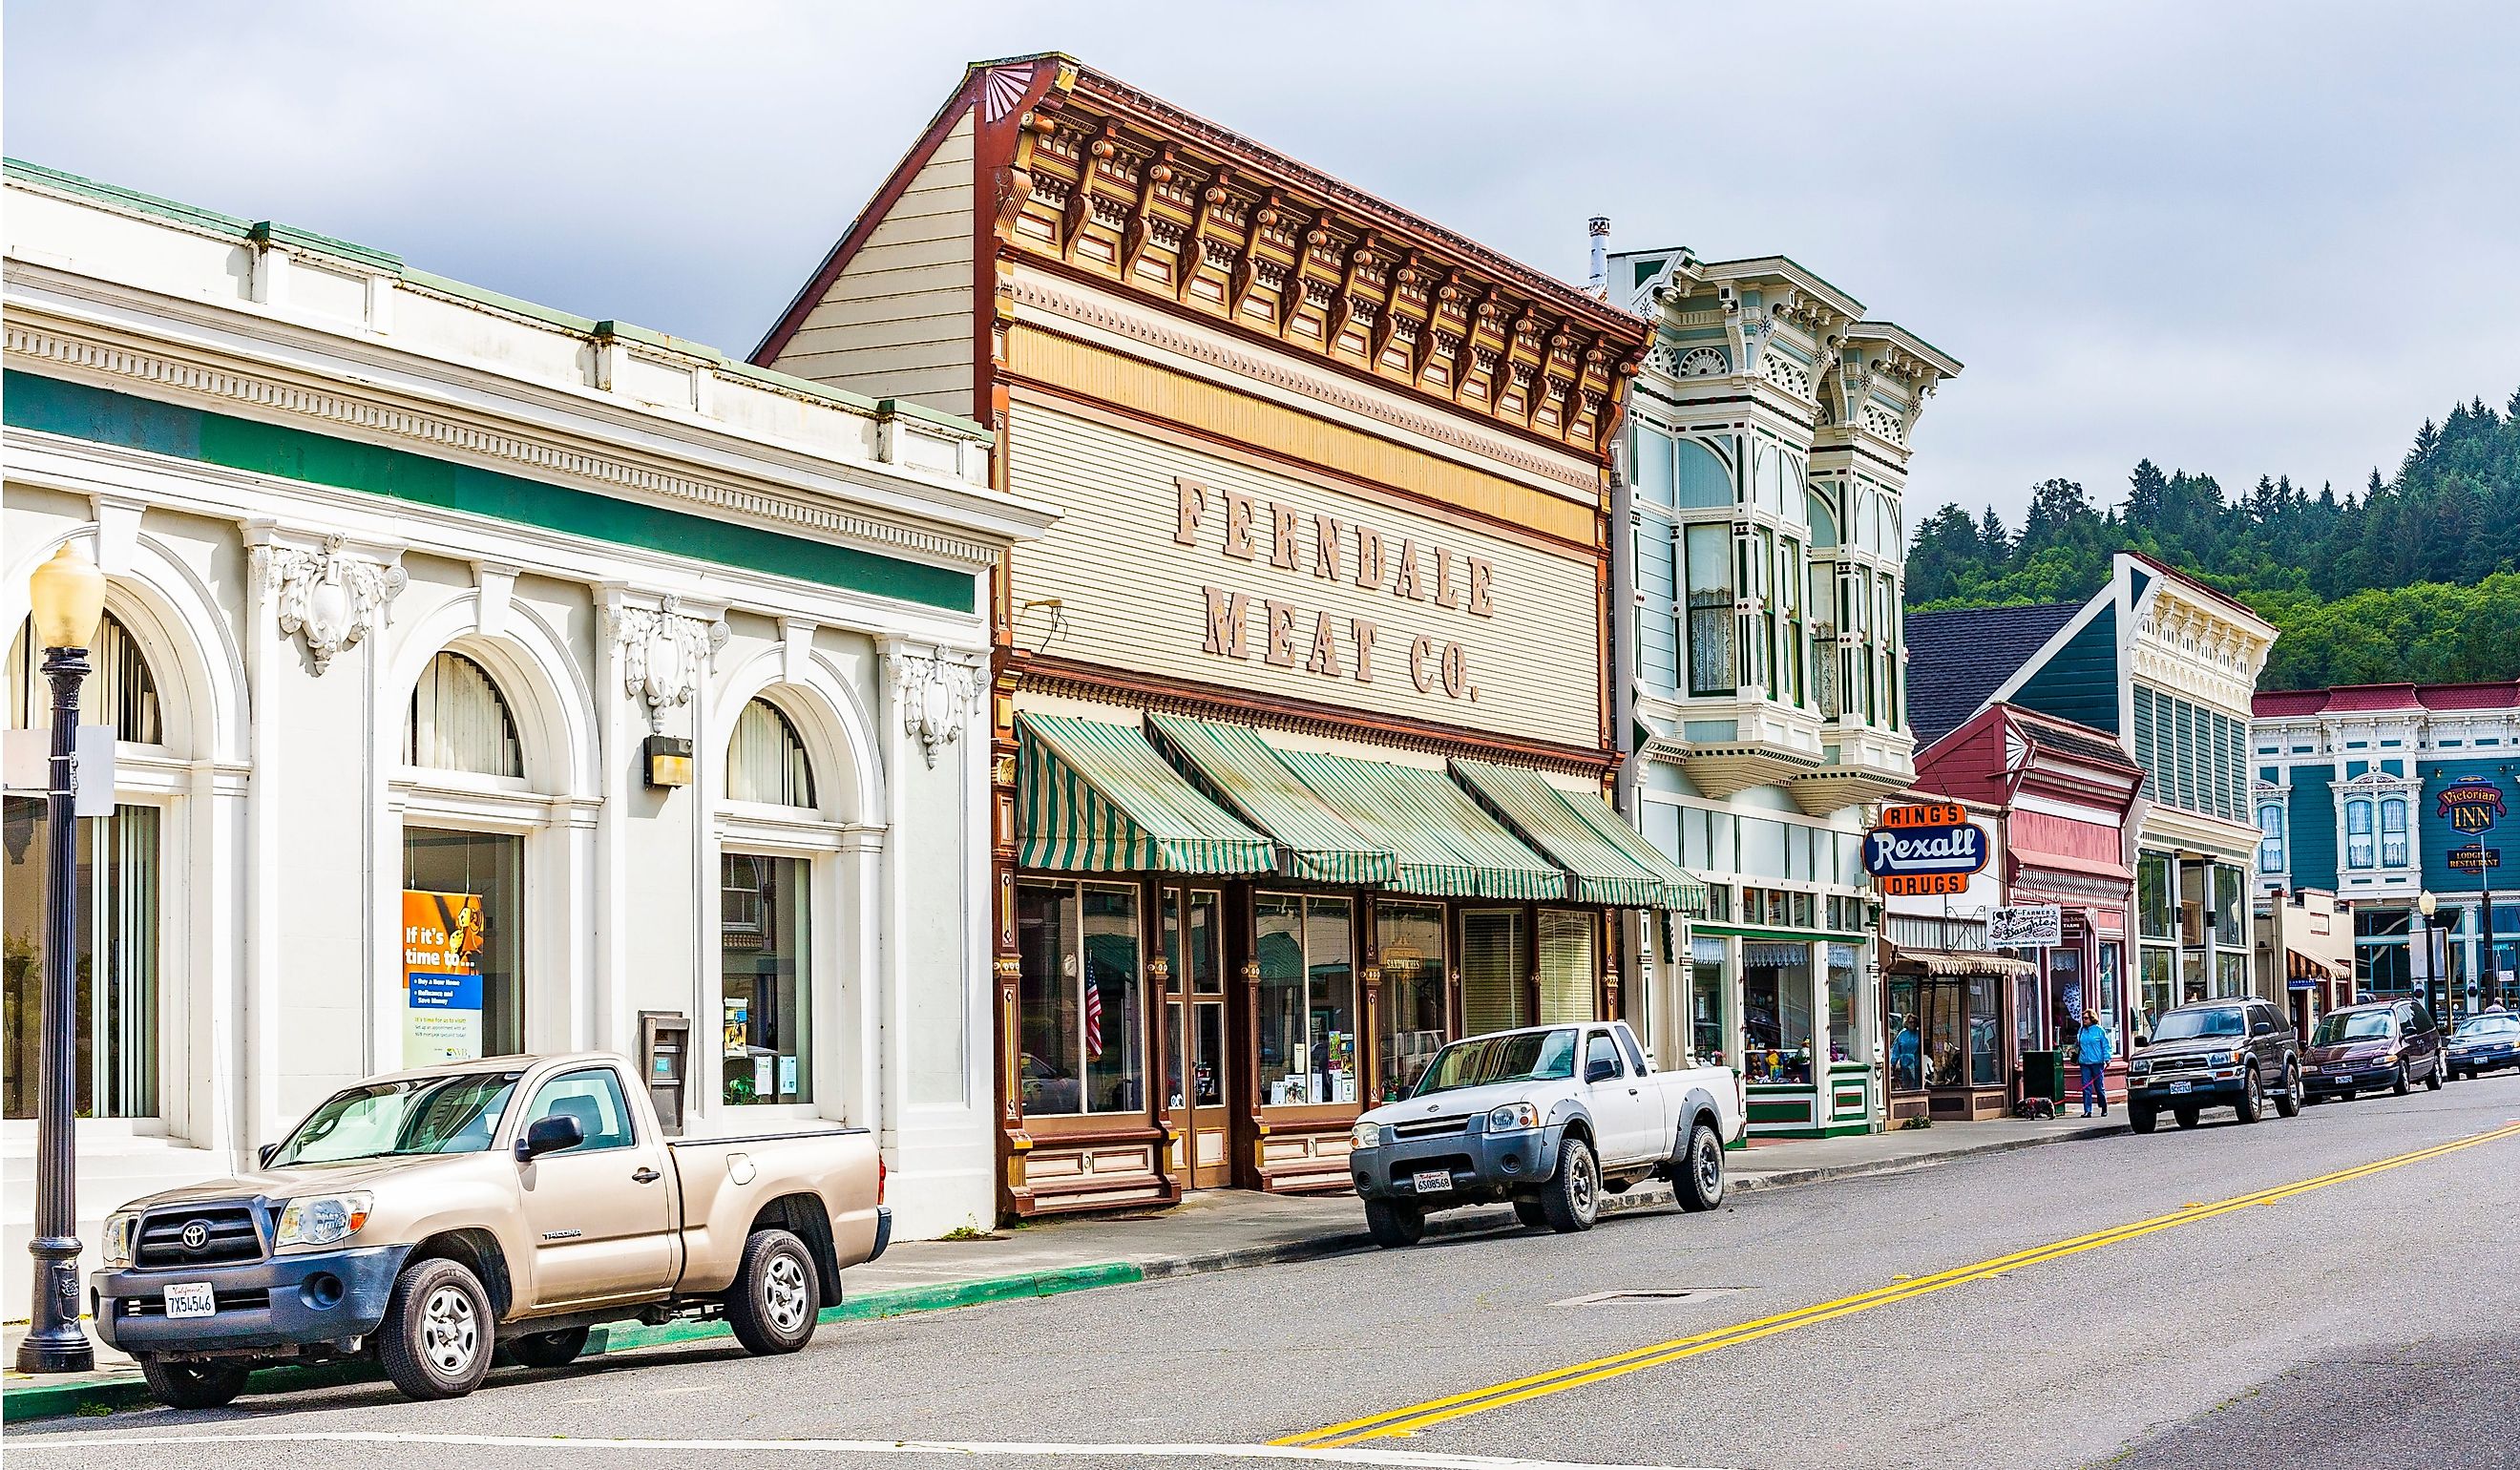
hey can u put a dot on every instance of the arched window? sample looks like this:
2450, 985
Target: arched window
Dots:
120, 689
1823, 514
2357, 833
116, 952
766, 761
460, 722
2393, 832
2271, 842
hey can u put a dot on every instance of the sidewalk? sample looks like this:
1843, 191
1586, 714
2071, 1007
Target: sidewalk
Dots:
1216, 1231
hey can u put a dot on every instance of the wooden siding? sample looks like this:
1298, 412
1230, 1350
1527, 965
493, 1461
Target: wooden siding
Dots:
897, 322
2080, 682
1160, 393
1133, 598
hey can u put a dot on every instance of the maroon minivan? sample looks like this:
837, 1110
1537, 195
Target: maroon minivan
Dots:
2378, 1043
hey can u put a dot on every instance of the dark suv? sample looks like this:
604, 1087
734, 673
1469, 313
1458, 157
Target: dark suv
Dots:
2218, 1054
2379, 1043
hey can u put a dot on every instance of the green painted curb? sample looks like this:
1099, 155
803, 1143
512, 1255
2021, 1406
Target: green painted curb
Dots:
22, 1403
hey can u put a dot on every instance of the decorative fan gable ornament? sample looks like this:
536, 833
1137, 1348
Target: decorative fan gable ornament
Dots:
1704, 361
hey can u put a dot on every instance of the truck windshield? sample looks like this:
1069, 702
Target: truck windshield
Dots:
455, 1114
1515, 1057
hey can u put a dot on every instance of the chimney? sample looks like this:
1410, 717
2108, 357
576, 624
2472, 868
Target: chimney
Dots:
1600, 226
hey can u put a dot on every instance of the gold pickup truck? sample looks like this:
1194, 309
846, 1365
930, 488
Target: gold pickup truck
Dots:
429, 1218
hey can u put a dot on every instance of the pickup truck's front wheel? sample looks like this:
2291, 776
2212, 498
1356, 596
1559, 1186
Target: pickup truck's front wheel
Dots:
777, 1296
1698, 1181
194, 1385
1393, 1225
1572, 1198
437, 1336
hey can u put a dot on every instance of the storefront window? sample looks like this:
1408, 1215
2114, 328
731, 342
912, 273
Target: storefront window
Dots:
1079, 995
1843, 1044
2231, 974
2065, 996
765, 976
1492, 971
1194, 963
2231, 908
1777, 1011
1570, 946
463, 916
1307, 999
114, 1002
1985, 1042
1706, 1002
2159, 983
1409, 943
2110, 958
1907, 1038
2191, 976
2153, 906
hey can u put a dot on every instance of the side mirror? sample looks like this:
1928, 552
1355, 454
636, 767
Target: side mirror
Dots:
2141, 1040
1601, 1069
549, 1135
262, 1155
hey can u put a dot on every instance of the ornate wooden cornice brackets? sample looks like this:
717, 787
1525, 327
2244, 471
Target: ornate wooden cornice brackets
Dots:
1109, 183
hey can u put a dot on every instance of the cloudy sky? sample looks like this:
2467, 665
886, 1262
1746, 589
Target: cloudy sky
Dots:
2237, 238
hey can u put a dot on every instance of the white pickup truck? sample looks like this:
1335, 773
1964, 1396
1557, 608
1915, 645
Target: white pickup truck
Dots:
425, 1218
1549, 1116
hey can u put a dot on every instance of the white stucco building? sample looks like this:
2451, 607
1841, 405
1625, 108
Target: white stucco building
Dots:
406, 579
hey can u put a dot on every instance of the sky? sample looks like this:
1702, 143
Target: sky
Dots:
2240, 239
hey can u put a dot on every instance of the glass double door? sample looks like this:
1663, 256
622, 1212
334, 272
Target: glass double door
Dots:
1198, 1079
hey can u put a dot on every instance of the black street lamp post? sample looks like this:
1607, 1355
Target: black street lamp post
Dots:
68, 598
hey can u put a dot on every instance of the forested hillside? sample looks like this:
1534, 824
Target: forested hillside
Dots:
2416, 577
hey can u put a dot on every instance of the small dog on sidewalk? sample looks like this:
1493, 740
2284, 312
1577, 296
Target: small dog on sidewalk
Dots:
2034, 1108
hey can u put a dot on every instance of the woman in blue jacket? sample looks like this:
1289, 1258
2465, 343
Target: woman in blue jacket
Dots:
2091, 1048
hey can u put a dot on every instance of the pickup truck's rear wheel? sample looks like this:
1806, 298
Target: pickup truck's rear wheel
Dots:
548, 1350
1530, 1211
1698, 1179
1572, 1199
777, 1296
437, 1336
1393, 1225
194, 1385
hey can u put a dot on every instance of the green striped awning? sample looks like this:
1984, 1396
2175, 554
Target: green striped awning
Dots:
1609, 862
1093, 797
1447, 847
1242, 771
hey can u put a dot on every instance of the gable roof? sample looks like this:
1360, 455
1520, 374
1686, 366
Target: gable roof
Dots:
1958, 658
2066, 738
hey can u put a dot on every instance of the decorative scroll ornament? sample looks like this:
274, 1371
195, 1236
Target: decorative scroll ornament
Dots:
663, 654
326, 598
936, 697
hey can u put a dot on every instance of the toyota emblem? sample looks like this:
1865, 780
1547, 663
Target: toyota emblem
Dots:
195, 1234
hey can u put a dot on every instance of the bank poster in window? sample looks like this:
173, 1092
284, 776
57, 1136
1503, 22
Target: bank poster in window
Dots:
441, 970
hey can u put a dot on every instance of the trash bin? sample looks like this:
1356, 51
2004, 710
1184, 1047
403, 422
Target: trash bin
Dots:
2042, 1075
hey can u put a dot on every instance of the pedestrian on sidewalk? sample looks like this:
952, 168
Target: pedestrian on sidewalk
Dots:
2092, 1049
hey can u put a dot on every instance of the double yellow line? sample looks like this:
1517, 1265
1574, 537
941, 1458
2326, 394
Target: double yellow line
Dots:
1417, 1416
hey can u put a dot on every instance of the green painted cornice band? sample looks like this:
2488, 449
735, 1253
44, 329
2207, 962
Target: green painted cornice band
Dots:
102, 416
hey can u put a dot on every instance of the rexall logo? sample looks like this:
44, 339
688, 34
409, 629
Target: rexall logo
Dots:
2470, 804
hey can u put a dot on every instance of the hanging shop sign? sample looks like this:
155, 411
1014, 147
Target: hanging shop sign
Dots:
1924, 849
441, 977
2475, 856
2470, 804
2028, 926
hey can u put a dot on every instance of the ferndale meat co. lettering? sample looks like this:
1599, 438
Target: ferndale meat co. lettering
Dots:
1285, 633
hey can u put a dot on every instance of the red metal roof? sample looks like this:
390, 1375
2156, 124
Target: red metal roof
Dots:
2501, 695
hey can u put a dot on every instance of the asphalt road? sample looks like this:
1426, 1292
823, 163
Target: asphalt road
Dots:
2228, 1296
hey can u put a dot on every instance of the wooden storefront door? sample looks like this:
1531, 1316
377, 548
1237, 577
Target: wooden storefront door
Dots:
1198, 1062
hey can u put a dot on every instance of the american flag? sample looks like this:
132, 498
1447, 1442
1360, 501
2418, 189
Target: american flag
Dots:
1092, 1021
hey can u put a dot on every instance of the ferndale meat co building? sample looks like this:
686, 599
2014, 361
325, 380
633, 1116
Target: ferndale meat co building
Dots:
1299, 715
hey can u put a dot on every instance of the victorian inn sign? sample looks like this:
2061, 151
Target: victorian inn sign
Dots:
405, 582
